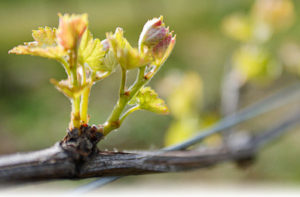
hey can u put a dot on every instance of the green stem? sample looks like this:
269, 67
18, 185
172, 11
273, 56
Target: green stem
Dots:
75, 115
84, 99
139, 83
123, 81
129, 111
95, 77
114, 122
66, 66
84, 105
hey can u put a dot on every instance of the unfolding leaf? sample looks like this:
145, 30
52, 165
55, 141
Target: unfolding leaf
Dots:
153, 32
163, 49
45, 36
156, 40
67, 89
148, 99
91, 52
127, 56
44, 45
71, 29
110, 62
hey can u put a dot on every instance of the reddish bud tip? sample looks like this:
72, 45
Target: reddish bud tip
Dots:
71, 29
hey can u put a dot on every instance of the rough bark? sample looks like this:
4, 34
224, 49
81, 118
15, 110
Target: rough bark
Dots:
59, 163
77, 156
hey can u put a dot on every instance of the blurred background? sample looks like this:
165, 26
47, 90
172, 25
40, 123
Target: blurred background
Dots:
228, 54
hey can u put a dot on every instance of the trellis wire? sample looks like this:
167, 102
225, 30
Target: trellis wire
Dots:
94, 184
265, 105
274, 101
272, 133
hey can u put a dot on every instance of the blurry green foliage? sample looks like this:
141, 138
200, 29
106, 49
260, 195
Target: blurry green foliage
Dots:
185, 103
253, 60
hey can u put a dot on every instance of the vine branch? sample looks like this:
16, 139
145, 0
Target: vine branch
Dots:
58, 163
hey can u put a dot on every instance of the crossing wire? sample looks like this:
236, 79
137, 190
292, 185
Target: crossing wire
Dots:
267, 104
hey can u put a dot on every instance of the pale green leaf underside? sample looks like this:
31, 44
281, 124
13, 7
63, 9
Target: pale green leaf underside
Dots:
148, 99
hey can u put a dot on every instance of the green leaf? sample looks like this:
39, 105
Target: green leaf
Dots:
148, 99
67, 89
110, 62
44, 45
127, 56
45, 36
91, 53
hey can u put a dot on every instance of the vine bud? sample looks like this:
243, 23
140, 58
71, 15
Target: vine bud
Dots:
157, 40
71, 29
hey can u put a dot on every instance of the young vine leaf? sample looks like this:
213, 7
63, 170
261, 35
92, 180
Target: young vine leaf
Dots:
148, 99
44, 45
87, 60
127, 56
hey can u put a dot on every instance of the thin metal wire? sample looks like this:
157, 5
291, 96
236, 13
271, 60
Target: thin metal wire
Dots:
94, 185
276, 131
267, 104
276, 100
